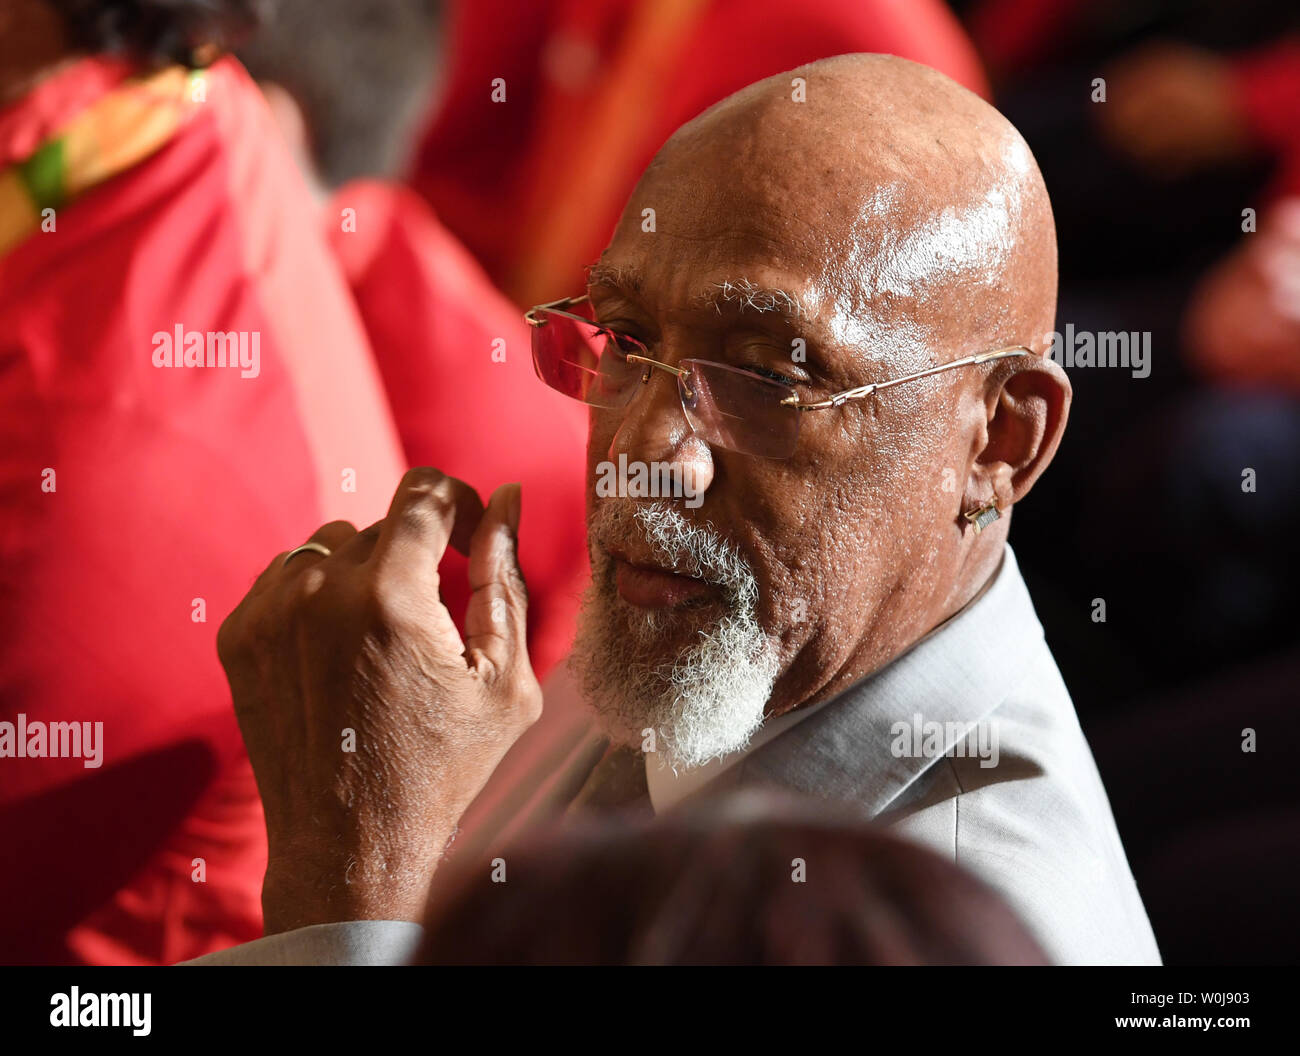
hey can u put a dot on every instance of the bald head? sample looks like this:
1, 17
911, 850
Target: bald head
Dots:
923, 201
838, 226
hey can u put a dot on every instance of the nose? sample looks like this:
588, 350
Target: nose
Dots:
654, 430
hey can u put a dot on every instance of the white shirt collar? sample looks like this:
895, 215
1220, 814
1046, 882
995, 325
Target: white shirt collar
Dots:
668, 787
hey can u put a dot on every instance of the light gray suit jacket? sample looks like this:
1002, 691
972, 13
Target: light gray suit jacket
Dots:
1037, 826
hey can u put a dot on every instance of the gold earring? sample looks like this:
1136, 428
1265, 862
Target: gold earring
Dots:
983, 516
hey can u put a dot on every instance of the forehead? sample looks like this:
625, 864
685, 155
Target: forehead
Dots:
736, 249
708, 201
718, 291
882, 249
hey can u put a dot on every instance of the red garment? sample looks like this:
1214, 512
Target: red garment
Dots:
1268, 91
479, 161
173, 484
1013, 35
440, 330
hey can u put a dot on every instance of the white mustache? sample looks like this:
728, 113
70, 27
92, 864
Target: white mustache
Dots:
698, 549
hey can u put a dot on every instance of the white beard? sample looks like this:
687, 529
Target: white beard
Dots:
708, 700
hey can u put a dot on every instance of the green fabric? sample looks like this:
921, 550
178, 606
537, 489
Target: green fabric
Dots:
43, 174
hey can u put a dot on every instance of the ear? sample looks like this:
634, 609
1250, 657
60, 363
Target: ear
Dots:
1026, 407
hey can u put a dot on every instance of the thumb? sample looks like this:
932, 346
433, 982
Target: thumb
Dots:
496, 622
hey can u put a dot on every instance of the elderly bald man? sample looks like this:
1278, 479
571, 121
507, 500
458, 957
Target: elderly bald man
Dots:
823, 318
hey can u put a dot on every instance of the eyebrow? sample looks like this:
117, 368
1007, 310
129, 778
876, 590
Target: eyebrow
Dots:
746, 296
740, 294
613, 277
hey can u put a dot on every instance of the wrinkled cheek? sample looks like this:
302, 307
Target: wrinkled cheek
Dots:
785, 602
778, 536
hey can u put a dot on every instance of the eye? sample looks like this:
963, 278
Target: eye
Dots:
623, 340
767, 372
627, 344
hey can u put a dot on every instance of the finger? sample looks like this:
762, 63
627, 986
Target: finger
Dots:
496, 622
429, 509
267, 576
331, 536
271, 573
361, 546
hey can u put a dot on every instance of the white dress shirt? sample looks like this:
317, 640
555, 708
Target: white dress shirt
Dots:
668, 787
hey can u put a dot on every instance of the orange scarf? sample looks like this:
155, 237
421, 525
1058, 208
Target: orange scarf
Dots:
117, 131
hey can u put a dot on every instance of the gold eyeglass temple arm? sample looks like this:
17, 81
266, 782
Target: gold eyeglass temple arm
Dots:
866, 390
632, 357
530, 316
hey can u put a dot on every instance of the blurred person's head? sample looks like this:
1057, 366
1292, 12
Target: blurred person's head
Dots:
1174, 108
37, 35
1243, 321
848, 222
745, 878
349, 81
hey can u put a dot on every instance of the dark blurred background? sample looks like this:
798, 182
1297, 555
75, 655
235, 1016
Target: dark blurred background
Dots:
1149, 505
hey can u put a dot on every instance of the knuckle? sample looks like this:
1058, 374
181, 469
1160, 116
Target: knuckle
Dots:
308, 587
422, 479
334, 528
420, 516
307, 597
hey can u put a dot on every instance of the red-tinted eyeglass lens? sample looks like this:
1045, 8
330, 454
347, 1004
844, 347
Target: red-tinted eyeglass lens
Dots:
739, 410
583, 362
